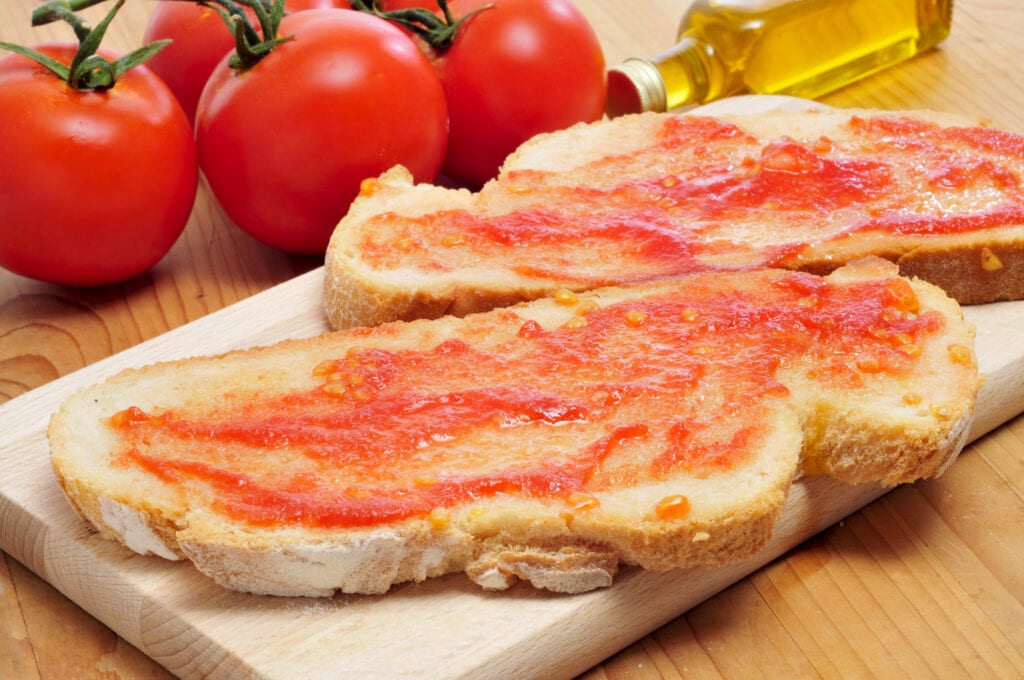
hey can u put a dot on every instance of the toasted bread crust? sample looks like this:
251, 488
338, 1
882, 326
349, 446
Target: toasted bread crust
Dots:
978, 273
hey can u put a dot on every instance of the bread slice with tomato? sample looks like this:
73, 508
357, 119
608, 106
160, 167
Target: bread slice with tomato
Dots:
643, 197
658, 425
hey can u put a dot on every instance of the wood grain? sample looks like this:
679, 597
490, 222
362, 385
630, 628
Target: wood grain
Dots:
926, 582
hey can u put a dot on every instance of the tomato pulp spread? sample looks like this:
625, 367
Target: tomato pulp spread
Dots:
698, 197
681, 380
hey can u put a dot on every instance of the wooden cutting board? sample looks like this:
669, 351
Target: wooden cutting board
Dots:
444, 628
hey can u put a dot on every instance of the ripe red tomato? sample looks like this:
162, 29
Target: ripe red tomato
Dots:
95, 186
516, 69
201, 39
391, 5
286, 144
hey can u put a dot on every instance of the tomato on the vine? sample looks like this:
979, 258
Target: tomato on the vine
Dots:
516, 69
286, 144
511, 69
200, 40
96, 185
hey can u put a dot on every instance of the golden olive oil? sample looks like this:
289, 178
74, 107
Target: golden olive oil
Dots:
803, 48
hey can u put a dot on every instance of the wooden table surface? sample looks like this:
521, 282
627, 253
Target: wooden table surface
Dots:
926, 582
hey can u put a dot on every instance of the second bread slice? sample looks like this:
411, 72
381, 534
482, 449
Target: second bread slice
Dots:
643, 197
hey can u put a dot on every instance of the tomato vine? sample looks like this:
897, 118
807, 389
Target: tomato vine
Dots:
87, 70
437, 31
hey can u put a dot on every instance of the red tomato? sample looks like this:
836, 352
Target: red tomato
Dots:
201, 39
516, 69
96, 186
391, 5
285, 145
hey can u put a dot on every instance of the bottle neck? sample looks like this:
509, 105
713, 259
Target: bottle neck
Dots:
691, 72
676, 78
635, 86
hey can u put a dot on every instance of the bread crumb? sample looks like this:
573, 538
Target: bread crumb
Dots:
990, 262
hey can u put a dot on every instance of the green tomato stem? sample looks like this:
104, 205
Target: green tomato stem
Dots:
88, 70
250, 47
437, 32
61, 70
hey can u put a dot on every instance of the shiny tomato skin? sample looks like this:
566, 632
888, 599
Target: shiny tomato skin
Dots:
285, 145
95, 187
200, 39
516, 69
392, 5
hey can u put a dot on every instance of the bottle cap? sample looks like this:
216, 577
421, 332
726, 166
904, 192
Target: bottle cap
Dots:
635, 86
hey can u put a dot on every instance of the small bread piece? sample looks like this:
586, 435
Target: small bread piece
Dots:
658, 425
642, 197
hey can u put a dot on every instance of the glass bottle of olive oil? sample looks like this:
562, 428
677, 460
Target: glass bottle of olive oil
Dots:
803, 48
